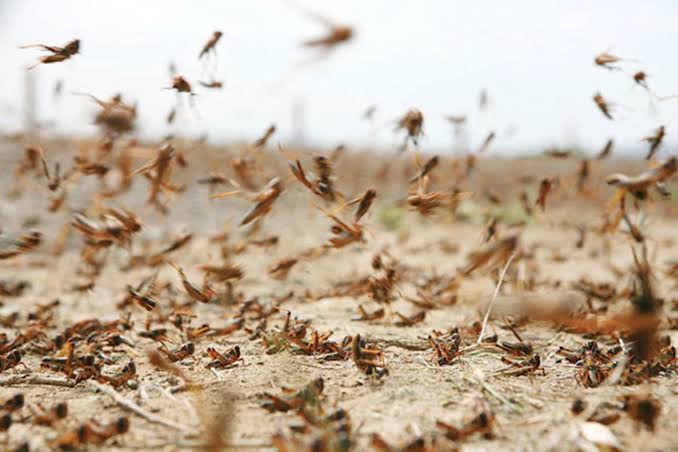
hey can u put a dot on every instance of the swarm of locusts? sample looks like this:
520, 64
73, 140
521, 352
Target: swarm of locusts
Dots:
437, 291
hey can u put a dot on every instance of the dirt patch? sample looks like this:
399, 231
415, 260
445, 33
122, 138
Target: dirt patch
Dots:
531, 411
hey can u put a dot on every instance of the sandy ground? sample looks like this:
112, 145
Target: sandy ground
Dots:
532, 412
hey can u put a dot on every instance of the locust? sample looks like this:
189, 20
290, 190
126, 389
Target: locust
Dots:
367, 357
23, 244
114, 115
343, 233
487, 142
263, 200
212, 180
223, 360
482, 423
53, 182
655, 141
57, 54
281, 268
447, 349
426, 202
144, 299
638, 185
491, 254
336, 34
10, 360
606, 151
262, 140
544, 189
426, 168
412, 122
179, 353
203, 294
128, 372
222, 273
321, 186
369, 316
603, 105
212, 84
607, 60
644, 410
528, 365
364, 202
210, 44
640, 78
181, 85
295, 401
91, 432
410, 320
14, 403
158, 171
48, 417
558, 153
243, 168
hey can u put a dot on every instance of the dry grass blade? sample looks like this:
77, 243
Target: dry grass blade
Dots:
136, 409
494, 296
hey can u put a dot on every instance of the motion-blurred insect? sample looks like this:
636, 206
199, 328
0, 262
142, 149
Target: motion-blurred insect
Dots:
213, 84
158, 171
115, 115
544, 189
456, 119
639, 185
482, 423
57, 89
607, 60
25, 243
483, 100
640, 78
182, 86
222, 273
655, 141
486, 142
321, 185
410, 320
606, 151
583, 175
261, 141
58, 54
179, 353
458, 122
14, 403
281, 268
364, 202
602, 105
53, 182
336, 34
426, 168
369, 112
48, 417
325, 45
492, 254
91, 433
412, 122
558, 153
343, 233
210, 45
643, 410
204, 294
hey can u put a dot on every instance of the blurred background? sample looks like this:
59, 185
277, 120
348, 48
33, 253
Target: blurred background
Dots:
533, 59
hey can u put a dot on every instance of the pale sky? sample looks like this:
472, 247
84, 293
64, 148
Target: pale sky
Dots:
535, 58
